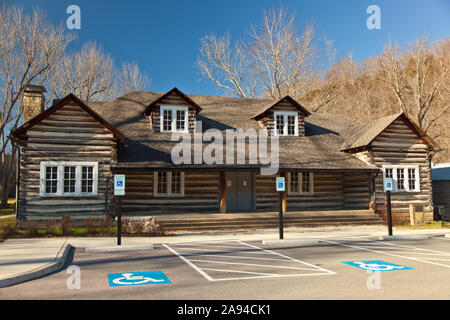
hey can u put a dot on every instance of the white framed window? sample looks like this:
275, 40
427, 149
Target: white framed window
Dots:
406, 178
300, 182
286, 123
68, 178
174, 118
168, 184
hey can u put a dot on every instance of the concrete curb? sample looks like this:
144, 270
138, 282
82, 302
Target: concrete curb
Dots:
291, 241
118, 248
405, 237
39, 272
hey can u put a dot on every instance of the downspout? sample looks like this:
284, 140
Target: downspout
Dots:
16, 205
374, 187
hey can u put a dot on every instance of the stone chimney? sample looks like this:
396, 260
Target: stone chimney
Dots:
33, 101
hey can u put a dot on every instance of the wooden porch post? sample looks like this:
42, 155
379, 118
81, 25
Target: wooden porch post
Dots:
223, 193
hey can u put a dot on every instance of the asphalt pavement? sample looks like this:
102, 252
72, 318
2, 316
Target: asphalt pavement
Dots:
349, 266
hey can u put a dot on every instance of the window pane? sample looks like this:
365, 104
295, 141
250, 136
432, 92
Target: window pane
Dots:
400, 179
388, 173
176, 182
181, 120
69, 179
162, 182
51, 179
87, 179
280, 124
167, 120
294, 182
291, 125
306, 185
411, 179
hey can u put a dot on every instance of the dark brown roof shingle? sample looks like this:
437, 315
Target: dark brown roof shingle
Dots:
319, 150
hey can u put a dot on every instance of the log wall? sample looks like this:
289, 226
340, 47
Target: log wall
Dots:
399, 145
201, 194
331, 191
357, 190
69, 134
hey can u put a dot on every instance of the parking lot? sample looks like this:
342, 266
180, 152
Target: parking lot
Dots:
334, 268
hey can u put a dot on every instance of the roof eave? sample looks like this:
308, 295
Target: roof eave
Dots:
18, 132
292, 100
178, 92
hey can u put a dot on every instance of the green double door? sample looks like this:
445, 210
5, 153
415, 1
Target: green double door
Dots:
240, 191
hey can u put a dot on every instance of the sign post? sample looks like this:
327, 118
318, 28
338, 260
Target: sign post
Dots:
280, 187
388, 187
119, 191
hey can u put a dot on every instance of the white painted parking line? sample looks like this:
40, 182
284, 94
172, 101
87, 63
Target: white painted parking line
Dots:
210, 245
217, 264
249, 264
396, 250
282, 255
235, 257
248, 250
188, 262
425, 253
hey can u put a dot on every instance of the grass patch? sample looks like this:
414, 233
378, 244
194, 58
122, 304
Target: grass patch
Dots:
7, 211
428, 225
9, 208
9, 228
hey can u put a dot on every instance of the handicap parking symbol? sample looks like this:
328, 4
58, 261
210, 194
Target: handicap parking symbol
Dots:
137, 278
376, 265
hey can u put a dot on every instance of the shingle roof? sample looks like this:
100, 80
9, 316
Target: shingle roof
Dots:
319, 150
266, 108
362, 135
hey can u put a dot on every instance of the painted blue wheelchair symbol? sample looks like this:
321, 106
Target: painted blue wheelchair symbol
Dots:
119, 183
376, 265
137, 278
280, 185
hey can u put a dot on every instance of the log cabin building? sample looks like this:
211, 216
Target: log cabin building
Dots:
70, 152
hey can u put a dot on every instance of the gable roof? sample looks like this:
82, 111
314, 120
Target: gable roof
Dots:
363, 135
179, 93
319, 150
19, 132
299, 107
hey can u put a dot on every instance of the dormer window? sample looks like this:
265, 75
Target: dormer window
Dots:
174, 119
286, 123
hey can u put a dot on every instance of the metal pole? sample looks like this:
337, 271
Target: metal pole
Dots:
389, 212
119, 221
281, 214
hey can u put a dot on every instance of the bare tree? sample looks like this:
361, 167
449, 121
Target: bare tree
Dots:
30, 47
282, 58
92, 75
131, 79
418, 78
274, 59
227, 66
87, 73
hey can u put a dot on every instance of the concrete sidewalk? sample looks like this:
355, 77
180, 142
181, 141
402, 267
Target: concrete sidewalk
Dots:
21, 256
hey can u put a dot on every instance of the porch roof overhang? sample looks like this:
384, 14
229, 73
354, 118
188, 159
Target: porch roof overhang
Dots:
168, 167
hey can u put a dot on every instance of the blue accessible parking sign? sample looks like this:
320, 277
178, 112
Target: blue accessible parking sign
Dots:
137, 278
376, 265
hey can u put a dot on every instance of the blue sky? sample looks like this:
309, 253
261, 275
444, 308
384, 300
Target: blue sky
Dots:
163, 37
